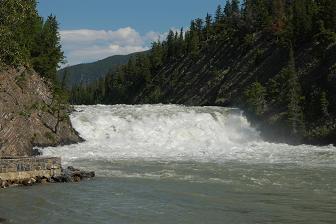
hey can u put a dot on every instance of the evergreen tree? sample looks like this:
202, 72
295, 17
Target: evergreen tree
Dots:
278, 11
218, 15
235, 7
255, 97
219, 19
303, 15
208, 26
295, 114
327, 9
194, 44
324, 104
156, 55
171, 44
17, 21
249, 15
199, 28
49, 53
228, 9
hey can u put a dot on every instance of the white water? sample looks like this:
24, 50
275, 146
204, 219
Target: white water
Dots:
178, 133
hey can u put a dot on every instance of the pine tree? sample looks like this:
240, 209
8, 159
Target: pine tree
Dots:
17, 32
295, 114
235, 7
194, 44
219, 20
256, 98
249, 15
228, 9
218, 15
156, 55
208, 26
263, 17
278, 11
324, 104
303, 15
171, 44
49, 54
327, 9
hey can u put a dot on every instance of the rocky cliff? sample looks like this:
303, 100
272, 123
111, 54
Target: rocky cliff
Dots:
28, 114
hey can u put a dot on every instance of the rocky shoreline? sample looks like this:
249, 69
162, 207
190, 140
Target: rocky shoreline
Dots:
68, 175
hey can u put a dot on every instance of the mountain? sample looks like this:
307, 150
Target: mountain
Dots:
90, 72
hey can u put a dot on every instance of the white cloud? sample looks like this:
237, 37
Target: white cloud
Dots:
154, 36
86, 45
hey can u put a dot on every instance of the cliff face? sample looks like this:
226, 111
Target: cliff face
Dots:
28, 116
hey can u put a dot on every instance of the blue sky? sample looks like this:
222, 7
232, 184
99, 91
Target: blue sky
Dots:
95, 29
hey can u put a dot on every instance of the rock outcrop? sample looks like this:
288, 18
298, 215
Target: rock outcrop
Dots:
28, 116
68, 175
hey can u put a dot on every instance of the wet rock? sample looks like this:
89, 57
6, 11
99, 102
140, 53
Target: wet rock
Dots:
72, 169
51, 180
76, 179
72, 174
41, 180
27, 182
3, 184
44, 181
36, 152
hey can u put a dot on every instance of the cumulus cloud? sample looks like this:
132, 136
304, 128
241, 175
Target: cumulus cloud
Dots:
84, 45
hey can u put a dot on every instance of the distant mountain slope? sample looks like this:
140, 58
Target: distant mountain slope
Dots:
90, 72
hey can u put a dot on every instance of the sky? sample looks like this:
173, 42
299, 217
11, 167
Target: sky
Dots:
95, 29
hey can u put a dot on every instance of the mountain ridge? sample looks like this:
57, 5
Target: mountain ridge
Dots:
87, 73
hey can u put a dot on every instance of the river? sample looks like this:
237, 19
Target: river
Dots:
177, 164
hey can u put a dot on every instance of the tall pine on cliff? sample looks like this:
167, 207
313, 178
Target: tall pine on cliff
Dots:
27, 40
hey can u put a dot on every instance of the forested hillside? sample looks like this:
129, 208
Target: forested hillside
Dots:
91, 72
274, 59
33, 105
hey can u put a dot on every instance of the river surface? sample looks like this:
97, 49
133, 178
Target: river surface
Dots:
176, 164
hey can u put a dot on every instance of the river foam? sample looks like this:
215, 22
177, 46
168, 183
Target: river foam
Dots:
178, 133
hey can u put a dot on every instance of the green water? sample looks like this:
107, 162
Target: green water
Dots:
180, 192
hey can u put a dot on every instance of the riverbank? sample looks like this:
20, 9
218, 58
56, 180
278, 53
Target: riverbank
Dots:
27, 171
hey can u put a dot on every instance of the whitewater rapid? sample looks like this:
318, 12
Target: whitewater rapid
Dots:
178, 133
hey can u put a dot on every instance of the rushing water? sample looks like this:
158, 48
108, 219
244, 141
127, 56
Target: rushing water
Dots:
175, 164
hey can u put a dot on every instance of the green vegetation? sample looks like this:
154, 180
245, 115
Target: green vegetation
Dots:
91, 72
27, 40
255, 97
275, 59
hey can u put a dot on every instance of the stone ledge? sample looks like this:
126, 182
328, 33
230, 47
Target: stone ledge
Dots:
19, 168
